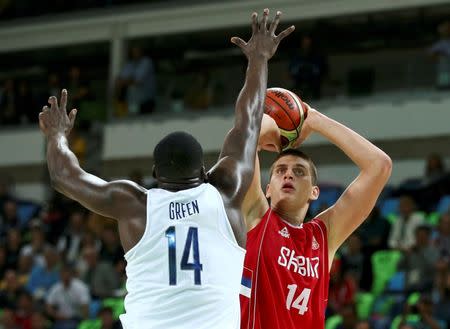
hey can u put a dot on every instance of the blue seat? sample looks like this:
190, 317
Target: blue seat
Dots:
389, 206
328, 196
26, 210
397, 282
444, 204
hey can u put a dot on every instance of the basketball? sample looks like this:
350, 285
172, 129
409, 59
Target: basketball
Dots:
289, 113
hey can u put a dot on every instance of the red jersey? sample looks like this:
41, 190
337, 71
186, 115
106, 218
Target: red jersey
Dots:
285, 278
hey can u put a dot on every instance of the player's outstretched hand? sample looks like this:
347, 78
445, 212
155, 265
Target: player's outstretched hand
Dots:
263, 42
54, 120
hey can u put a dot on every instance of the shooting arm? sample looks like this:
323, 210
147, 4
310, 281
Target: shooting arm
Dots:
359, 198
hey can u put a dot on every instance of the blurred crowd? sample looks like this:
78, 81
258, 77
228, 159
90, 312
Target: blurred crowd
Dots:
135, 88
63, 267
394, 271
11, 9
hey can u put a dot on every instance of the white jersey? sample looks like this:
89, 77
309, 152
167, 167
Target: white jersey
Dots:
186, 270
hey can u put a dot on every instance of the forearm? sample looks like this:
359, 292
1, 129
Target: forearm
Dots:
62, 162
363, 153
250, 102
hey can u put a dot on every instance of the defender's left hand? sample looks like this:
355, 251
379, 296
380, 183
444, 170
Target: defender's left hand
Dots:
54, 120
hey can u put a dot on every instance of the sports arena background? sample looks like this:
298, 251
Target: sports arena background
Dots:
381, 67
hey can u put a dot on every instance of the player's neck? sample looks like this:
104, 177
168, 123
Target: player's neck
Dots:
294, 216
178, 185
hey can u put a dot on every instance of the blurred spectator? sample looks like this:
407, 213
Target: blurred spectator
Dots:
434, 167
24, 310
9, 217
418, 261
69, 244
37, 244
307, 69
43, 277
406, 326
100, 276
5, 190
440, 50
13, 245
107, 319
53, 86
442, 237
402, 234
10, 290
353, 258
374, 232
111, 250
39, 321
136, 84
442, 300
24, 267
364, 324
342, 288
349, 317
424, 308
8, 110
78, 88
26, 104
200, 93
68, 300
78, 145
3, 261
54, 214
7, 319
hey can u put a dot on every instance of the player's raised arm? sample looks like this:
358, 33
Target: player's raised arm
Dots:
233, 173
359, 198
117, 199
255, 203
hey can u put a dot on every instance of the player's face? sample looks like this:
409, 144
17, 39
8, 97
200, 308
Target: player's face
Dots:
291, 181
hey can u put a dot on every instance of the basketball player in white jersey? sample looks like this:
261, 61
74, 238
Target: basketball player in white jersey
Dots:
184, 240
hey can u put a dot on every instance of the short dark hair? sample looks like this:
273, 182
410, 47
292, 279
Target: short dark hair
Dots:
178, 156
301, 155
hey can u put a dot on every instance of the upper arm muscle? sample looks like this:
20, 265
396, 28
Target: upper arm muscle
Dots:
116, 199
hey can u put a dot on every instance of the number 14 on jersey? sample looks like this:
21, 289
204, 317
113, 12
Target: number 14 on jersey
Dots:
301, 302
190, 245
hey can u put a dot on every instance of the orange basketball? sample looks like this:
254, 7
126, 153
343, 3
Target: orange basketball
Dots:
288, 111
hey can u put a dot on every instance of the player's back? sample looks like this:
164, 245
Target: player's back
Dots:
285, 278
185, 272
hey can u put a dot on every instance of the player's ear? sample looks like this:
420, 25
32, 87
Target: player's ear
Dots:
203, 175
268, 191
154, 171
315, 193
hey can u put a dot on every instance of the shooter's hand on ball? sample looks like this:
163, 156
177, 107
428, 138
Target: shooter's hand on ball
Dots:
308, 125
269, 138
263, 42
54, 120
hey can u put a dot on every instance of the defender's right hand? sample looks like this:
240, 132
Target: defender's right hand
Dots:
263, 42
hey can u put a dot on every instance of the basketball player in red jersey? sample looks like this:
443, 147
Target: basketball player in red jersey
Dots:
286, 269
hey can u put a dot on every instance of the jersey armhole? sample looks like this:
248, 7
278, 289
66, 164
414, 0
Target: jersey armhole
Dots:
261, 220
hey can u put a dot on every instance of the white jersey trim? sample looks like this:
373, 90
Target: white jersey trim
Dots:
231, 238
